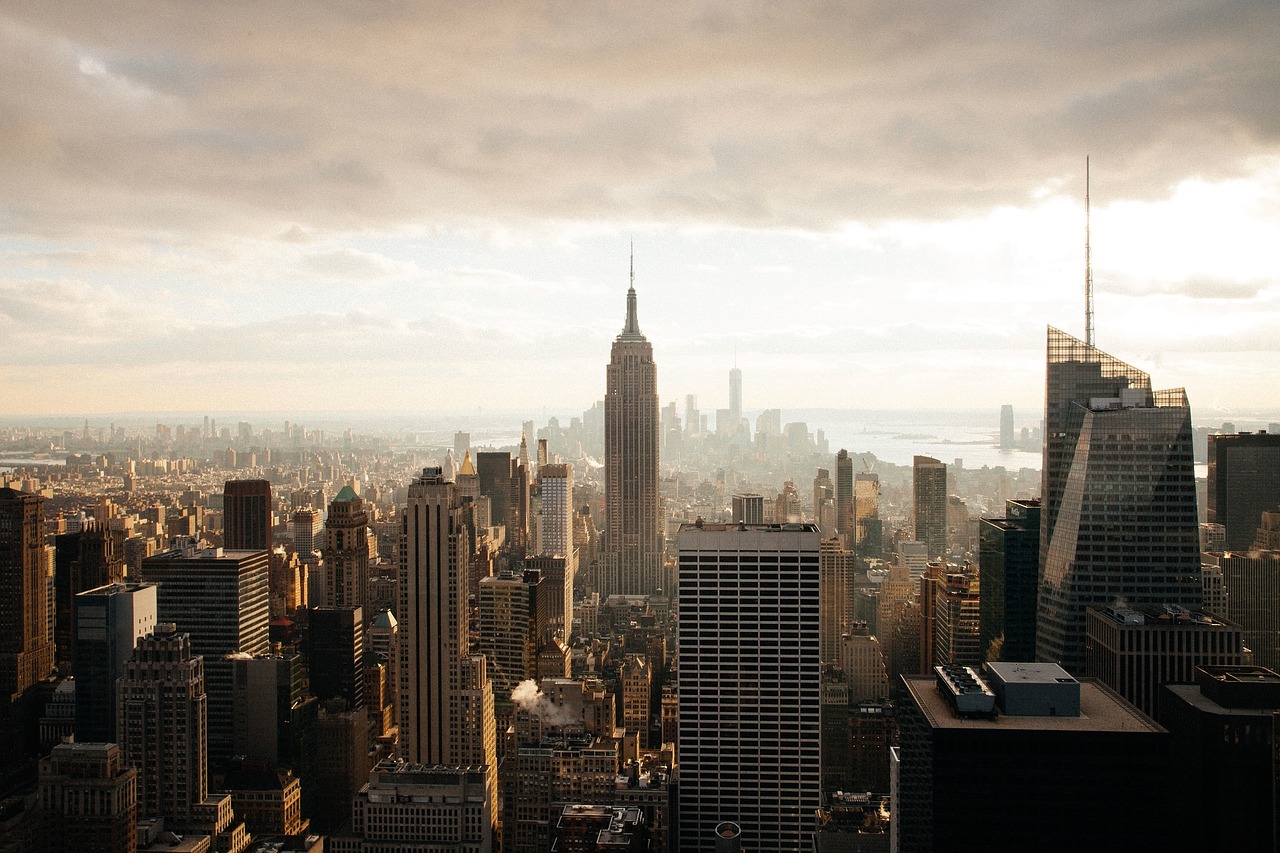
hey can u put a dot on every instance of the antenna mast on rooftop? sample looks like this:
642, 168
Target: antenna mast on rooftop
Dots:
1088, 263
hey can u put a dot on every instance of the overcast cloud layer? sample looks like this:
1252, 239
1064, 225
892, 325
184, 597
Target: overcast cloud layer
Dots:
428, 205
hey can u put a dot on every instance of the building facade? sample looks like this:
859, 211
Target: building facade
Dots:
1009, 562
109, 622
1122, 518
162, 724
346, 551
929, 502
247, 515
633, 533
220, 598
749, 684
1244, 482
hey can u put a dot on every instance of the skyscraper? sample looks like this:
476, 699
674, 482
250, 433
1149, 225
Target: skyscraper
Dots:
26, 629
1008, 558
1244, 482
335, 654
1006, 427
735, 397
844, 499
494, 471
90, 557
869, 530
109, 622
1119, 496
749, 684
434, 568
346, 550
929, 495
633, 524
220, 598
555, 534
246, 507
163, 710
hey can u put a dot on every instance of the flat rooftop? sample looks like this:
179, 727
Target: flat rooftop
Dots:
1030, 673
1101, 710
1171, 616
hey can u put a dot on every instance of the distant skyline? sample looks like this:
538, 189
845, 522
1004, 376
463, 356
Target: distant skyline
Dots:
420, 207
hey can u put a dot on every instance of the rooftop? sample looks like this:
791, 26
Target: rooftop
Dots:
1101, 710
1168, 615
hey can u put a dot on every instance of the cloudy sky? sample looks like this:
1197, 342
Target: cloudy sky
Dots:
428, 206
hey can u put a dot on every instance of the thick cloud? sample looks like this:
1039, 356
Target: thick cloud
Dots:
346, 116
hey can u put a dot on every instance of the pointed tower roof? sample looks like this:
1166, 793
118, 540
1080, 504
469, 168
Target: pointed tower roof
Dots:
467, 469
347, 495
631, 331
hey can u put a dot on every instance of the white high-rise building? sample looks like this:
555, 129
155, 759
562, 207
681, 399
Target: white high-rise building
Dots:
749, 684
555, 532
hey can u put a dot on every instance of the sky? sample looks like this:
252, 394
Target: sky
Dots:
430, 206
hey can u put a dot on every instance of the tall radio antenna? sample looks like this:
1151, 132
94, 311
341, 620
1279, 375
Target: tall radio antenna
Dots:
1088, 263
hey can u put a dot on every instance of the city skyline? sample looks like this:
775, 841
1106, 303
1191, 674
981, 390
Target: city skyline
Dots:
888, 204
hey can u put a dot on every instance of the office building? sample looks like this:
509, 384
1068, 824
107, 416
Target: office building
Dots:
446, 699
220, 599
1006, 427
956, 616
335, 655
845, 500
749, 683
869, 531
246, 515
862, 661
346, 550
1244, 482
1121, 515
824, 503
837, 569
1138, 650
88, 799
1223, 728
307, 527
26, 642
1009, 562
555, 536
1252, 582
929, 502
1009, 746
563, 747
735, 397
87, 558
915, 556
747, 508
162, 724
109, 622
555, 607
633, 530
512, 624
407, 808
637, 691
273, 713
494, 473
269, 801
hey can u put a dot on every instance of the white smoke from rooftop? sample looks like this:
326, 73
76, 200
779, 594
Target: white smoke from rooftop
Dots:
529, 698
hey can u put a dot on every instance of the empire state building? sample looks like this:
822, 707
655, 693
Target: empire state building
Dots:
633, 526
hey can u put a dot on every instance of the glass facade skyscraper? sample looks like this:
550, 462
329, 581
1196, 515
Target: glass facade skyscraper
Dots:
1118, 522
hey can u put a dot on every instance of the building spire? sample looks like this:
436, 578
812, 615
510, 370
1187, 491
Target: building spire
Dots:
631, 331
1088, 263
